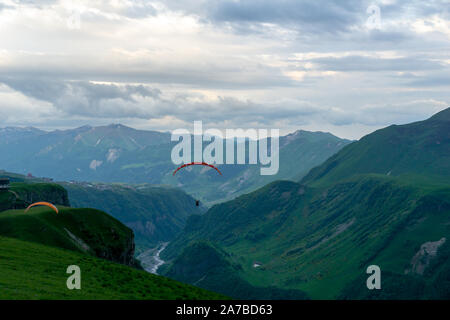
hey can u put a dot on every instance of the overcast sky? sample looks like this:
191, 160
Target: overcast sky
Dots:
347, 67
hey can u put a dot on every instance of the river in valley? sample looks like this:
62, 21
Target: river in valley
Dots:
150, 259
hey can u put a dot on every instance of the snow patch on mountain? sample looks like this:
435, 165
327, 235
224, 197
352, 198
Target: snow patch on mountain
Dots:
112, 155
95, 164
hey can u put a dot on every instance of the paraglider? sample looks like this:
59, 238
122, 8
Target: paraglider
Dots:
47, 204
197, 164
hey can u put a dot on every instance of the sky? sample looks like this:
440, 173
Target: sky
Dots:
346, 67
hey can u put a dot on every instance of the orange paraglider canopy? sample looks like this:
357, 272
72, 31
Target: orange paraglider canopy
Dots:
48, 204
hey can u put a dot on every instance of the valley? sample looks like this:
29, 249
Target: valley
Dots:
37, 247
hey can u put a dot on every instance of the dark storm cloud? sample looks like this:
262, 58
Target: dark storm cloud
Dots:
80, 97
48, 89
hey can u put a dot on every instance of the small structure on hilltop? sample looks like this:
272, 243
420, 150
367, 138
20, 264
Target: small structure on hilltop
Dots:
4, 184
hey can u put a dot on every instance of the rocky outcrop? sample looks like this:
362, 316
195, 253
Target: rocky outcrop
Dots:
123, 254
423, 257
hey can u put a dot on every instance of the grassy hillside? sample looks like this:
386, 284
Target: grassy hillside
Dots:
155, 214
420, 148
34, 271
208, 267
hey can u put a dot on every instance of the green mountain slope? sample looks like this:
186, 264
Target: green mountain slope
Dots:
420, 148
34, 271
319, 236
210, 268
86, 230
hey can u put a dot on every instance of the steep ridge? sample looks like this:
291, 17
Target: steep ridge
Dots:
420, 149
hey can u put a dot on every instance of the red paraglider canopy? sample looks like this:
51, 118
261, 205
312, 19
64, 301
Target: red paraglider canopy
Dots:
197, 164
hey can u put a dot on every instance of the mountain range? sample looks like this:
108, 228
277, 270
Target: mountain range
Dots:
117, 153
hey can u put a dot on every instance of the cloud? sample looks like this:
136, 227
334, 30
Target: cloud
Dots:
4, 6
364, 64
307, 16
19, 109
101, 100
439, 80
85, 98
116, 101
164, 64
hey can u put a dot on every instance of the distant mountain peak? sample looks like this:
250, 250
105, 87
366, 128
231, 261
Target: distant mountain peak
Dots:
19, 129
443, 115
85, 127
117, 126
